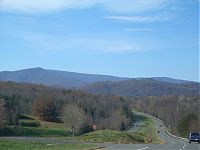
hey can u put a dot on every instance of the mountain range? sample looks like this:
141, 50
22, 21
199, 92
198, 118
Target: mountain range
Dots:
54, 77
103, 84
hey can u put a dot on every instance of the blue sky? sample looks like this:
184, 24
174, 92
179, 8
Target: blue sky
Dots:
132, 38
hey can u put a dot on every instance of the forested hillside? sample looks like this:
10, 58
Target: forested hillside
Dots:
143, 87
107, 112
179, 113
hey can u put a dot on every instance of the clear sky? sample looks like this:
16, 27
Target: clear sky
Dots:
132, 38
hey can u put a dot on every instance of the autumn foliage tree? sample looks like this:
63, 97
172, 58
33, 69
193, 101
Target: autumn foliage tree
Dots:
45, 109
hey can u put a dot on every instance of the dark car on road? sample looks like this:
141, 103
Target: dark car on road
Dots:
194, 137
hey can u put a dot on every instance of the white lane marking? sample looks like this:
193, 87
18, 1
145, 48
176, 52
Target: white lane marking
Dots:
184, 145
143, 148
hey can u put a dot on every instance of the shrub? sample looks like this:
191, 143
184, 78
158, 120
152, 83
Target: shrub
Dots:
6, 132
85, 129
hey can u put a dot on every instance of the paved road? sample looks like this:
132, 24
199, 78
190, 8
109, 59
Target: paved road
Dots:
170, 142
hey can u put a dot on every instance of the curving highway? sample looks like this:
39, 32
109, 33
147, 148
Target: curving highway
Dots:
170, 142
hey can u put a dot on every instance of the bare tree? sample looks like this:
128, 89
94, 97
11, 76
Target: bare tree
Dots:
74, 118
117, 121
13, 107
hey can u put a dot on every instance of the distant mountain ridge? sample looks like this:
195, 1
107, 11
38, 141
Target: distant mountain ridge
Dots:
54, 77
103, 84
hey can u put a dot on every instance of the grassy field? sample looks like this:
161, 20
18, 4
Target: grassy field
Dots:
52, 125
19, 145
113, 137
34, 132
43, 124
33, 127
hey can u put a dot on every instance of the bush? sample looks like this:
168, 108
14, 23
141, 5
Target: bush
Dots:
85, 129
29, 123
6, 132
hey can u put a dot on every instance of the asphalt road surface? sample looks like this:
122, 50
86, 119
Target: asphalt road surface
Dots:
170, 142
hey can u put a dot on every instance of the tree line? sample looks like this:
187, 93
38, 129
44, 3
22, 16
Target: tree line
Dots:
77, 109
179, 113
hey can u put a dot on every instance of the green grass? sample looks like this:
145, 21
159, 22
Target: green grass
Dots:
29, 123
113, 137
34, 132
52, 125
19, 145
33, 127
43, 124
